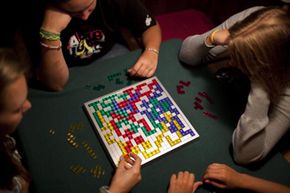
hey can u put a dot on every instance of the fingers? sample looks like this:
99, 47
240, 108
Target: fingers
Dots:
137, 70
173, 179
129, 161
219, 175
216, 184
141, 71
122, 163
183, 182
186, 177
145, 66
137, 160
182, 178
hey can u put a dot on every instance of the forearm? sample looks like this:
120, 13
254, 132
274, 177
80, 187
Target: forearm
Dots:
249, 135
259, 185
53, 71
193, 50
151, 38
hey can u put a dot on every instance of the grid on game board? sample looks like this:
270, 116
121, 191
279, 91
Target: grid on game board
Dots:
141, 118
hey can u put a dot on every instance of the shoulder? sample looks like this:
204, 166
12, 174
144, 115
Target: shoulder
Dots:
251, 10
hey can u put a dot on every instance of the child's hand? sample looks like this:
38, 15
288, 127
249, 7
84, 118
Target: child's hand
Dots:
146, 65
221, 176
218, 37
127, 175
183, 183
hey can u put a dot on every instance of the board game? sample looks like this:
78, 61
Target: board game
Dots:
141, 118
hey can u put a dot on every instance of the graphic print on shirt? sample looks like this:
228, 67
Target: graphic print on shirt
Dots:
84, 45
148, 20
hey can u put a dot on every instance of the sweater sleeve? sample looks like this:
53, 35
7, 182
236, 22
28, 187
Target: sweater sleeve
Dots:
193, 49
260, 128
249, 135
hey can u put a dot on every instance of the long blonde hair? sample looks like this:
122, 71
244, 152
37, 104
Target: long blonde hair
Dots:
260, 47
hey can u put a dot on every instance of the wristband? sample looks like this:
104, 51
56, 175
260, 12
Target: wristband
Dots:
49, 35
50, 46
153, 50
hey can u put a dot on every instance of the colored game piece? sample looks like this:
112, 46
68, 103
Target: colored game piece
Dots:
205, 95
210, 115
112, 76
71, 139
89, 150
180, 89
197, 99
185, 83
141, 118
97, 172
70, 136
77, 169
119, 81
98, 87
197, 105
181, 85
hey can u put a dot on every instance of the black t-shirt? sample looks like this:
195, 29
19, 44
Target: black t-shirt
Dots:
85, 41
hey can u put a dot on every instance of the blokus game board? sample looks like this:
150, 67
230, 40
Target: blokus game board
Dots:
141, 118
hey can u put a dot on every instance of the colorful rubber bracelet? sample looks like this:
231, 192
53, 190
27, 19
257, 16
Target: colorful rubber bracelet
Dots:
49, 35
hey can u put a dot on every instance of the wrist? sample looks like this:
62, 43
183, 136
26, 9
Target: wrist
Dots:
207, 43
112, 189
209, 40
242, 181
211, 37
48, 35
51, 44
152, 50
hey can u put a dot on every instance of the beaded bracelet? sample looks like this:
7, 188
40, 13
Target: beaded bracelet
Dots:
153, 50
49, 35
50, 46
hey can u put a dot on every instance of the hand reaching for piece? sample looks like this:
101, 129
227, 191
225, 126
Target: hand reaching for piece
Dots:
183, 182
127, 175
146, 65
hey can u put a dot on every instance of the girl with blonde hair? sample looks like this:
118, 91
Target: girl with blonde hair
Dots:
257, 41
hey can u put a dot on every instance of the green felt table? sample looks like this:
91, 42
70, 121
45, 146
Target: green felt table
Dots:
58, 166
